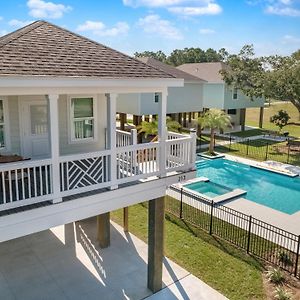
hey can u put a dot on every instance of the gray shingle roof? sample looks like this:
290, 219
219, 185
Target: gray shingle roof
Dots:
207, 71
169, 69
44, 49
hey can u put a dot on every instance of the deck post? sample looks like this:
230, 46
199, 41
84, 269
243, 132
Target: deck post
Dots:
54, 137
162, 132
155, 243
261, 117
125, 218
103, 230
111, 138
242, 118
123, 120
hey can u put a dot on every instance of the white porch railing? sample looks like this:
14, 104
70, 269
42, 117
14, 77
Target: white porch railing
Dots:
29, 182
125, 138
84, 172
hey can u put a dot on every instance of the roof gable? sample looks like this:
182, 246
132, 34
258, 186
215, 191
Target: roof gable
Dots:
44, 49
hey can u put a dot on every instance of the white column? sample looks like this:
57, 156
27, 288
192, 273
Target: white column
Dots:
111, 138
193, 135
162, 132
54, 134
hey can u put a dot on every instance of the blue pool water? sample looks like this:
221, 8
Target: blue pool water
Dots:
209, 189
267, 188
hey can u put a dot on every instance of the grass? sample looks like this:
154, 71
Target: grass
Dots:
257, 149
248, 133
219, 264
252, 116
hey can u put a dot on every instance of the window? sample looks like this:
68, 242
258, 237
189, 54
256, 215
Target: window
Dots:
235, 94
2, 125
156, 97
82, 119
231, 111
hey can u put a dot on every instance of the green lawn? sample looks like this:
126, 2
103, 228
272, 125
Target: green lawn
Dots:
252, 116
257, 150
219, 264
248, 133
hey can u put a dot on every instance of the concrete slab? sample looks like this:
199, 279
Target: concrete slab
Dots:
66, 262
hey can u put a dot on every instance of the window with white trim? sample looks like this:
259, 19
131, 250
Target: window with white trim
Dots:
235, 94
82, 119
2, 125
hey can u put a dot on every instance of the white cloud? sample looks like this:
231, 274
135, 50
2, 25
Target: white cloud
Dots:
100, 29
1, 18
154, 24
283, 11
206, 31
182, 7
18, 23
43, 9
290, 39
208, 9
3, 32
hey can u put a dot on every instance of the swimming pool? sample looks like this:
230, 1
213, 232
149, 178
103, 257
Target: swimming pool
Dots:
267, 188
208, 188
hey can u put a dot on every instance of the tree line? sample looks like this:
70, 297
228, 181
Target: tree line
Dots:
272, 77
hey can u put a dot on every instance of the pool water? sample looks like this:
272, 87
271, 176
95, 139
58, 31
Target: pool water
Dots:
209, 189
274, 190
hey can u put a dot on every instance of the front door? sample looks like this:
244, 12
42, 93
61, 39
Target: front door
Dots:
35, 129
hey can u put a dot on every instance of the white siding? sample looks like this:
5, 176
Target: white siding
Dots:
180, 99
213, 95
14, 125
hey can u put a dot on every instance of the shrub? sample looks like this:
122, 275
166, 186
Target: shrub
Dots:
282, 294
275, 276
284, 258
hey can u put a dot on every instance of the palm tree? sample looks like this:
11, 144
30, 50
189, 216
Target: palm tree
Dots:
151, 128
215, 119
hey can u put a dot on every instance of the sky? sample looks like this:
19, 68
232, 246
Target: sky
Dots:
272, 26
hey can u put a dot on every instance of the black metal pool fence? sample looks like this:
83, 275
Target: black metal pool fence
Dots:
257, 237
260, 149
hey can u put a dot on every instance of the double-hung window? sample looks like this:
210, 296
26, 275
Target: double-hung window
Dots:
82, 119
2, 125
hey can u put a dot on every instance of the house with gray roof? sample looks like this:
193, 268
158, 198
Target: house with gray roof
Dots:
217, 94
61, 159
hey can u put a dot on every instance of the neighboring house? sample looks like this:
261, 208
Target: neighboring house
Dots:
182, 100
216, 94
58, 93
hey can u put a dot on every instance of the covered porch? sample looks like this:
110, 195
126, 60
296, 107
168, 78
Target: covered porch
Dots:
66, 156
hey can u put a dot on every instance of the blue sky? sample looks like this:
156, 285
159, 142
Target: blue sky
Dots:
273, 26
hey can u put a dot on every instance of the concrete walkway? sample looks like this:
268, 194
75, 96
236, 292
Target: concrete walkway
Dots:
66, 263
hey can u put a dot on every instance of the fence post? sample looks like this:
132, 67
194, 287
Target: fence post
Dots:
249, 234
229, 142
267, 150
181, 204
288, 154
211, 217
297, 257
214, 140
248, 143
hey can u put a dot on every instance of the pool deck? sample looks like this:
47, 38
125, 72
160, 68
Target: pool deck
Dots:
284, 221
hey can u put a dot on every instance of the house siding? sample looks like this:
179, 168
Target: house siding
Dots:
14, 125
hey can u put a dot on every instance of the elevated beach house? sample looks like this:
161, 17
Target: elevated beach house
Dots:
182, 100
60, 160
217, 94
